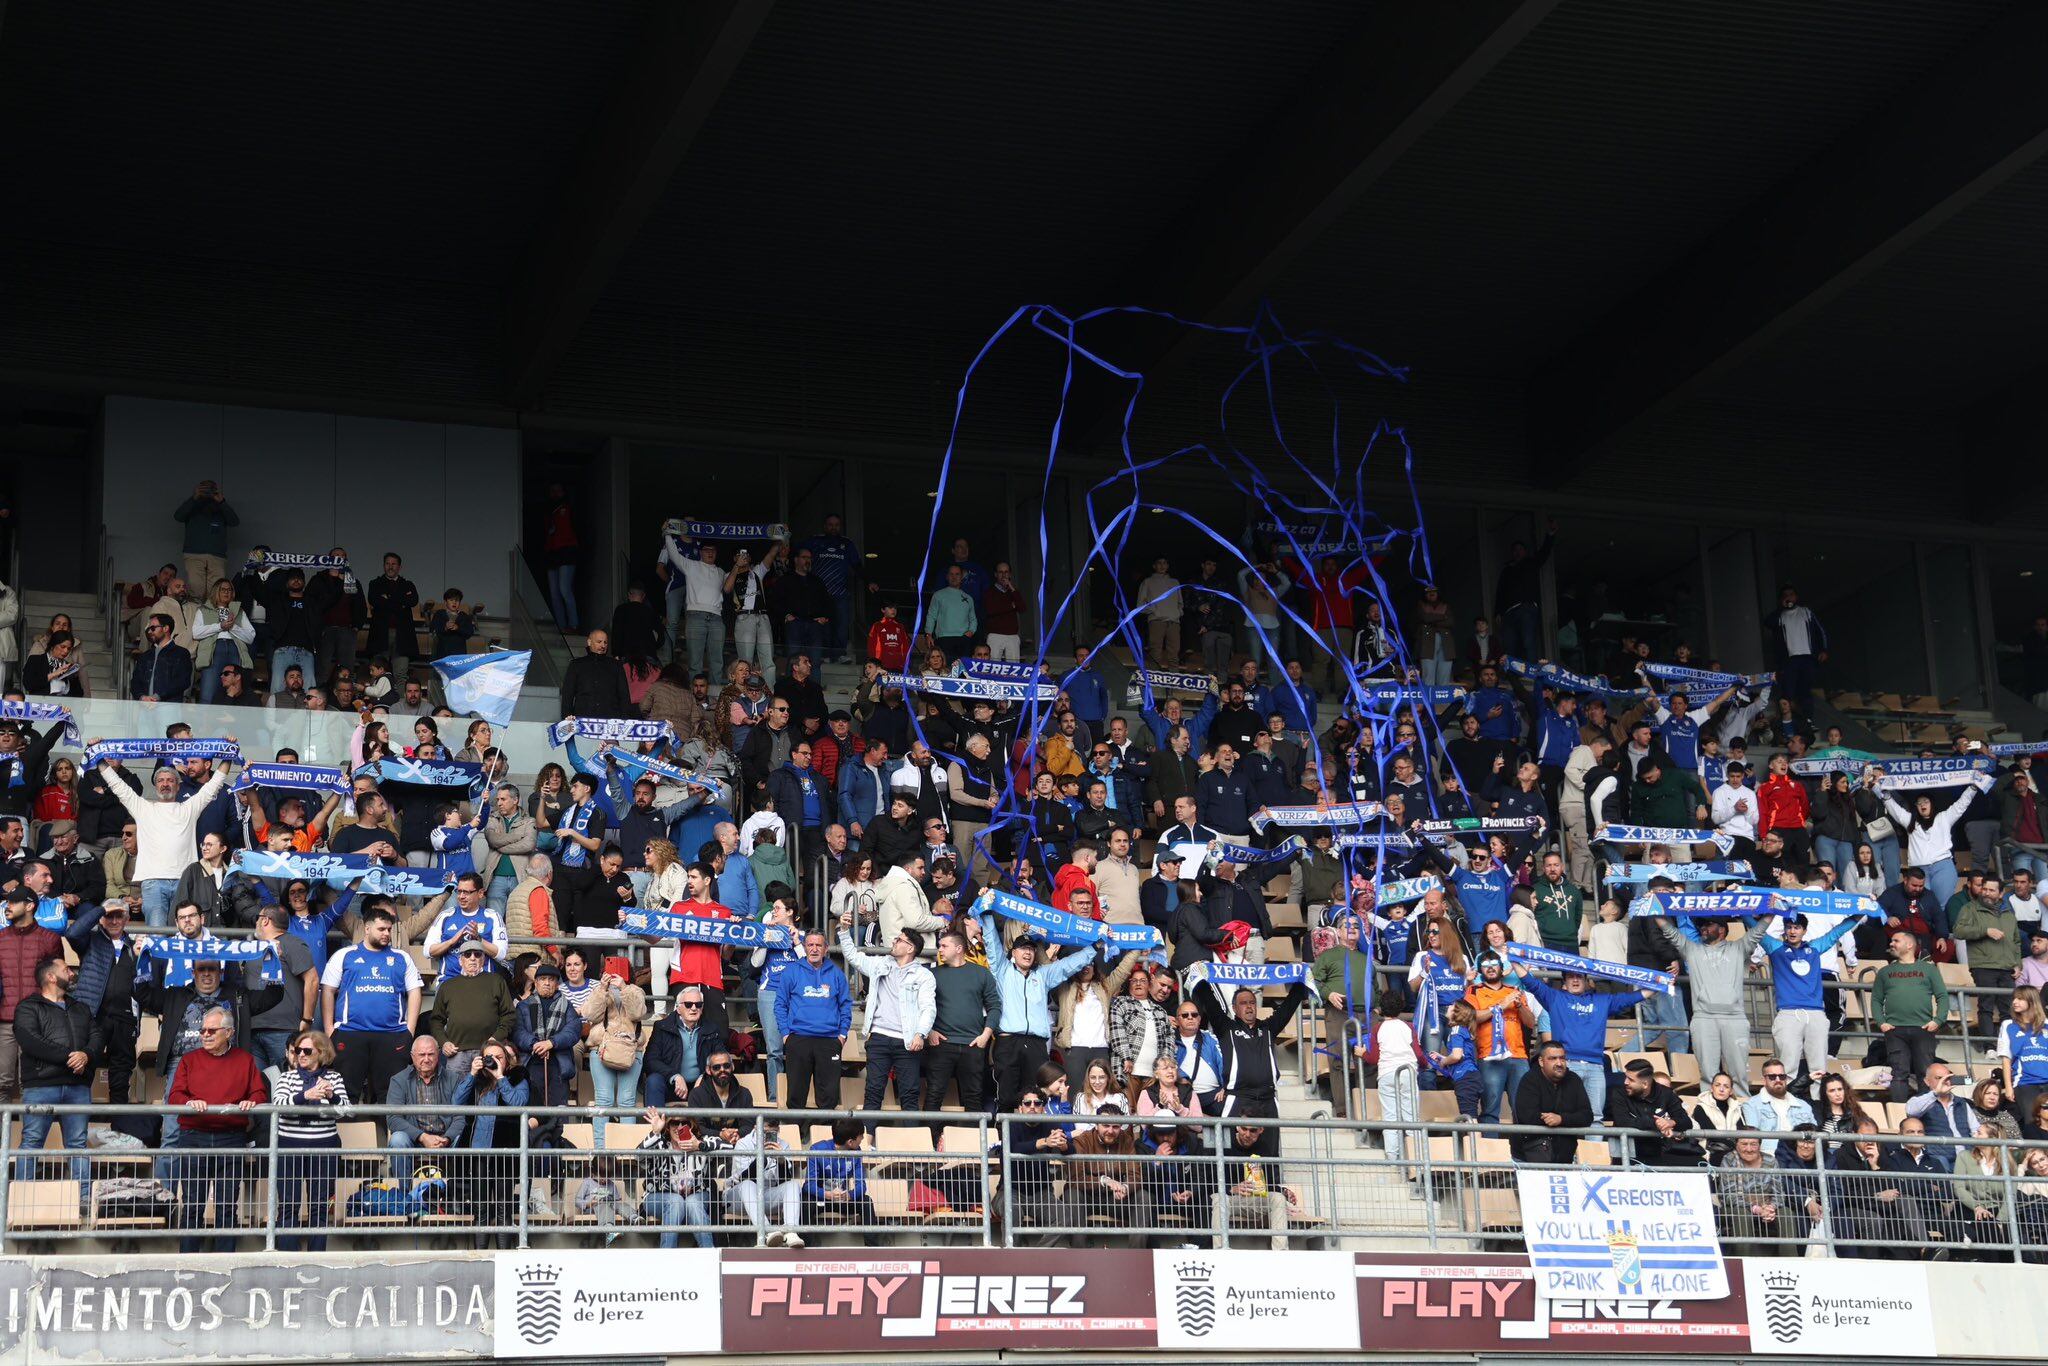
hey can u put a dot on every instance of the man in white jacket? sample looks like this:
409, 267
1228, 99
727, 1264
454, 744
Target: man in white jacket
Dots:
166, 838
1571, 811
901, 903
903, 1001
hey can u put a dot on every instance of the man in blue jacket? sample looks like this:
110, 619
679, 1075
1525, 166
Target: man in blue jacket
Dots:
1224, 797
1500, 719
1578, 1020
815, 1007
1086, 693
864, 789
1800, 1026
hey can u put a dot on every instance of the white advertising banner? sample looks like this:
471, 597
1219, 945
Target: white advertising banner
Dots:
1264, 1301
1839, 1308
607, 1303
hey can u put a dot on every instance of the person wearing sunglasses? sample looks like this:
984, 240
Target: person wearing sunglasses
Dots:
308, 1137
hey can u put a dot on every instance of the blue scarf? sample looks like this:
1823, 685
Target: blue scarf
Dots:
173, 750
294, 777
1817, 901
1529, 955
619, 730
425, 773
704, 929
1708, 680
177, 954
1244, 856
1374, 841
1908, 774
1731, 870
986, 690
1251, 974
1559, 677
1394, 694
1316, 817
2005, 751
1711, 905
1663, 834
10, 710
1408, 889
337, 870
278, 559
386, 881
1064, 927
640, 766
1000, 671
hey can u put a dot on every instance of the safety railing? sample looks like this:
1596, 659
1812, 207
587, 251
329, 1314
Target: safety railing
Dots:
398, 1176
531, 625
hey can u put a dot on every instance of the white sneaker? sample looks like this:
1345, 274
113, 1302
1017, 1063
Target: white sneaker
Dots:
791, 1240
775, 1239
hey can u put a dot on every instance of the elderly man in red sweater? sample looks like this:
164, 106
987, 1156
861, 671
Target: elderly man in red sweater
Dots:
23, 944
218, 1085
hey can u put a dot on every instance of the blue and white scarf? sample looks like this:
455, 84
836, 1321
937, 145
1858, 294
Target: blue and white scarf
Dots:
1000, 671
1713, 905
1394, 694
1559, 677
424, 772
1407, 889
1818, 901
1245, 856
174, 750
705, 929
10, 710
735, 531
1663, 834
618, 730
292, 777
384, 880
1356, 840
640, 766
1720, 870
1064, 927
1709, 681
985, 690
1316, 817
1304, 538
1920, 774
174, 955
337, 870
2012, 750
1168, 680
1249, 974
1550, 960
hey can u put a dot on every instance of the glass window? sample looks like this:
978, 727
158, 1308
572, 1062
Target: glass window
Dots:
1866, 594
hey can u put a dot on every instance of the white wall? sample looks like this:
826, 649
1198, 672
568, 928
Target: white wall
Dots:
446, 498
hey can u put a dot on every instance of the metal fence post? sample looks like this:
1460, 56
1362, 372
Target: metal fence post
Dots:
2007, 1193
525, 1188
8, 1119
271, 1199
1008, 1182
1820, 1171
1221, 1216
987, 1214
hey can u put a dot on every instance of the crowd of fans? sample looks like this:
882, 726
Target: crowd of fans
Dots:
864, 826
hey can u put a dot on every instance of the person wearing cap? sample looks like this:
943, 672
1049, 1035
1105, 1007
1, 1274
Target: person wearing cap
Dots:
546, 1029
1800, 1025
107, 956
1578, 1018
2033, 969
76, 878
1159, 895
1024, 1022
1505, 1019
902, 1004
471, 1005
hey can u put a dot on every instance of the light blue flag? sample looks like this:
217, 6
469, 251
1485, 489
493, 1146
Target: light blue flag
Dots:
486, 684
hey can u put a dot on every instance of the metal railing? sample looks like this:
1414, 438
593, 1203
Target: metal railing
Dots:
1011, 1180
530, 622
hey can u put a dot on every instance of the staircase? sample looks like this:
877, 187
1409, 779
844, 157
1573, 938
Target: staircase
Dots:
88, 623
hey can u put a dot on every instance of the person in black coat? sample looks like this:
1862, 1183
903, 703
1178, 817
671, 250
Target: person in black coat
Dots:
595, 685
392, 599
637, 627
106, 985
895, 837
100, 813
1551, 1097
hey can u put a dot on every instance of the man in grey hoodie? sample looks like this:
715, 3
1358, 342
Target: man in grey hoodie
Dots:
1716, 967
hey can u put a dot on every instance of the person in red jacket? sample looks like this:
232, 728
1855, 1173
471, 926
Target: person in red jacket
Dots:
1077, 876
1782, 805
889, 641
218, 1084
23, 944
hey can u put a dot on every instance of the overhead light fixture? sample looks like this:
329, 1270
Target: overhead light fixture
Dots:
2026, 573
872, 556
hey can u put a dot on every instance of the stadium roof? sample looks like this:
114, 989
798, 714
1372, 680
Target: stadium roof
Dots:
1800, 240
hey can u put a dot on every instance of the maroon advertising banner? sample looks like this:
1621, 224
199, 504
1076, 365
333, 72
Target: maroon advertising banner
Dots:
1434, 1303
936, 1299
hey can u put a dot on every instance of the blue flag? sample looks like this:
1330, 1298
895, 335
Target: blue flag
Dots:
487, 684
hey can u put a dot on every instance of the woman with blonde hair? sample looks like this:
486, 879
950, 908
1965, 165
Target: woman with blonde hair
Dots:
615, 1044
222, 634
667, 883
311, 1096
